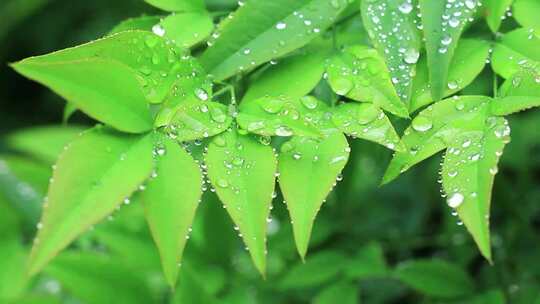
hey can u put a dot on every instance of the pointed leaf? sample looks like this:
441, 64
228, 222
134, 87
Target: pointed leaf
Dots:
516, 50
368, 122
432, 128
93, 176
178, 5
143, 23
242, 172
293, 76
308, 171
468, 61
192, 120
170, 200
443, 22
94, 76
44, 143
435, 278
468, 171
393, 28
520, 92
360, 73
284, 116
526, 13
186, 29
495, 10
262, 30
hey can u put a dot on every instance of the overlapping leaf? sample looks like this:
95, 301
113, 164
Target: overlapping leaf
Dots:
360, 73
516, 50
95, 174
443, 23
242, 172
393, 27
170, 200
262, 30
308, 171
495, 11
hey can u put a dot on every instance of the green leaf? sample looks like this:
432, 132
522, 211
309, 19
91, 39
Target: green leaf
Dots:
368, 263
190, 290
490, 297
293, 76
435, 278
308, 171
468, 61
12, 259
360, 73
468, 171
170, 209
262, 30
432, 128
366, 121
94, 77
178, 5
186, 29
284, 116
442, 35
143, 23
44, 143
316, 270
242, 172
97, 171
69, 110
84, 273
516, 50
393, 28
495, 11
341, 292
520, 92
192, 120
526, 13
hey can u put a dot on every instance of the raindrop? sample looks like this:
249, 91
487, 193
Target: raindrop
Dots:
422, 124
281, 25
455, 200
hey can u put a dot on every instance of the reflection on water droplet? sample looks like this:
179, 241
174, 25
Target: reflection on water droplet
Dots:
422, 124
455, 200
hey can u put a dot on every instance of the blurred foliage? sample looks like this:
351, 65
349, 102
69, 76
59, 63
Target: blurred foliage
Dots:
394, 244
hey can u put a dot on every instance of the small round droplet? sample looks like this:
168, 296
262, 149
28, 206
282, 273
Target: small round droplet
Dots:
455, 200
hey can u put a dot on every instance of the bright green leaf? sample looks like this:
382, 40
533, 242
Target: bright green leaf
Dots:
242, 172
178, 5
44, 143
262, 30
490, 297
191, 120
495, 11
468, 61
393, 28
341, 292
143, 23
169, 207
284, 116
366, 121
520, 92
443, 23
186, 29
308, 171
526, 13
98, 171
360, 73
516, 50
435, 278
293, 76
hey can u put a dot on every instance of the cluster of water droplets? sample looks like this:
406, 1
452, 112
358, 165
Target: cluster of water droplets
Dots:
394, 31
456, 14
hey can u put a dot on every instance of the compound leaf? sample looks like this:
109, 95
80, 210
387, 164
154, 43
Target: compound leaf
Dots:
242, 172
516, 50
393, 28
468, 61
308, 170
170, 200
366, 121
284, 116
262, 30
443, 23
360, 73
94, 175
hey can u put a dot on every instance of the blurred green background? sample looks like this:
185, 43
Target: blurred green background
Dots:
393, 244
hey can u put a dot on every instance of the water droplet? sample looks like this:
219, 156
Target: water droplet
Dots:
297, 155
452, 85
283, 131
342, 86
201, 94
218, 115
281, 25
455, 200
411, 56
223, 183
422, 124
405, 8
310, 102
158, 30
